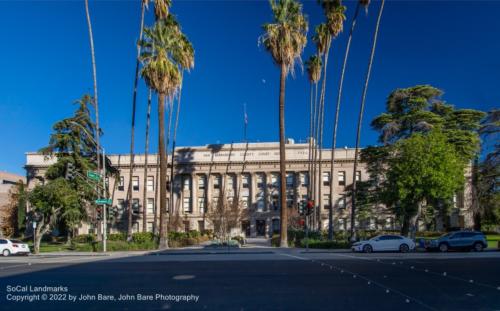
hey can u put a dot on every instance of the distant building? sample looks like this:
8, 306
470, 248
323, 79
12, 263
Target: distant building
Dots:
248, 171
7, 182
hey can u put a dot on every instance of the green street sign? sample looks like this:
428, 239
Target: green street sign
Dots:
94, 175
103, 201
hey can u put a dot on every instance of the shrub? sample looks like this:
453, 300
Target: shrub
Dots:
84, 238
120, 236
193, 234
142, 237
325, 244
240, 239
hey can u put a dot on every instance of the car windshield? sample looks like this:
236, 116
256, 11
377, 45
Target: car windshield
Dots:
16, 241
375, 238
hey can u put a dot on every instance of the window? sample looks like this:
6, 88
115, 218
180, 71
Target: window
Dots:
135, 183
276, 225
341, 203
261, 183
135, 227
149, 227
202, 180
135, 206
326, 201
186, 204
341, 224
245, 181
186, 226
304, 179
244, 201
201, 226
289, 180
217, 180
275, 201
274, 180
289, 200
326, 178
121, 184
151, 183
201, 205
341, 176
260, 204
151, 206
187, 183
120, 206
230, 182
358, 175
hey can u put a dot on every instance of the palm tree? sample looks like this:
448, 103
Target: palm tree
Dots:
146, 154
285, 39
185, 59
360, 121
313, 65
335, 17
162, 9
360, 3
144, 5
162, 76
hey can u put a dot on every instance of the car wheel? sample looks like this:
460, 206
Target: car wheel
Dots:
443, 247
478, 247
403, 248
6, 252
367, 249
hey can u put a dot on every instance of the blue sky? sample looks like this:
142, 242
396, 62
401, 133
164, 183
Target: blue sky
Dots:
45, 66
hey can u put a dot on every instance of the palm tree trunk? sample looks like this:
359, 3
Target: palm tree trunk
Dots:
335, 125
174, 140
321, 126
309, 162
132, 130
170, 113
96, 101
163, 171
283, 211
155, 207
146, 154
360, 121
315, 151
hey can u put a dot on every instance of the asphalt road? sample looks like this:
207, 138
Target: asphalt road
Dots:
254, 279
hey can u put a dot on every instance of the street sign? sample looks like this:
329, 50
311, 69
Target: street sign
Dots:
94, 175
103, 201
34, 225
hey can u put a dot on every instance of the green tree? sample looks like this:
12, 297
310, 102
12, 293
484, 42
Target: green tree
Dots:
50, 202
285, 39
422, 168
488, 179
360, 122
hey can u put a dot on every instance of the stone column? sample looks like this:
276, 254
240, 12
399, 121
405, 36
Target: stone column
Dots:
194, 194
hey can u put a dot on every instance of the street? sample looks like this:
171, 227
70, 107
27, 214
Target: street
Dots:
252, 279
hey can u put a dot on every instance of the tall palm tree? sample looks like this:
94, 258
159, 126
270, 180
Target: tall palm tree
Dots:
361, 3
95, 97
360, 121
144, 5
323, 40
185, 60
285, 39
313, 65
146, 154
163, 77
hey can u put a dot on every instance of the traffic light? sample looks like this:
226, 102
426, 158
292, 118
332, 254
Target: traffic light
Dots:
112, 213
309, 207
70, 171
98, 212
302, 207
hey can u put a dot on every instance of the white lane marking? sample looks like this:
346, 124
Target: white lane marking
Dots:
296, 257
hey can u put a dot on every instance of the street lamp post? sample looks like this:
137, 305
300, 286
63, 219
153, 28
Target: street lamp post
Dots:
103, 171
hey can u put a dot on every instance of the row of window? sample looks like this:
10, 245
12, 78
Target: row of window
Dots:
245, 181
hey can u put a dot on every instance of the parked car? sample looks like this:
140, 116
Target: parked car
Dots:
384, 243
459, 240
13, 247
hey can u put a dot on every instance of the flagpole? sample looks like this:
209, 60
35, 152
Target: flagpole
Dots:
245, 121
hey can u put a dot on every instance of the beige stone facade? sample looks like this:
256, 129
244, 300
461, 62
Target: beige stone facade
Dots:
248, 171
7, 182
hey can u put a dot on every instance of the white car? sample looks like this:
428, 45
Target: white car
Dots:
384, 243
14, 247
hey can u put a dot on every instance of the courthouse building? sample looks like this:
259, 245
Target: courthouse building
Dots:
250, 172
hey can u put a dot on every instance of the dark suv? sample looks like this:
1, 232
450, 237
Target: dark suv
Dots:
469, 240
